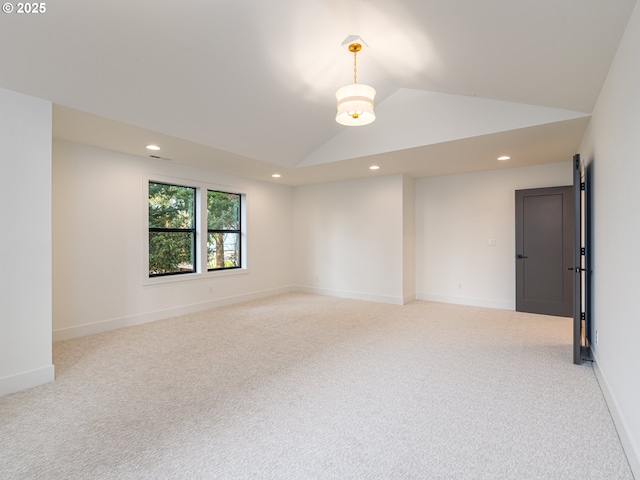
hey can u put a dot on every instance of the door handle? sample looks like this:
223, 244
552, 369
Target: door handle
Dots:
519, 256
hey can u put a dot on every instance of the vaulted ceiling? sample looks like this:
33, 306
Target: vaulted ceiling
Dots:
247, 87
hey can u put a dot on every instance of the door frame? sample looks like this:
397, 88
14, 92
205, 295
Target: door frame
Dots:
581, 266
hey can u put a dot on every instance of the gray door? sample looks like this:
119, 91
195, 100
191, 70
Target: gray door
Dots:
544, 251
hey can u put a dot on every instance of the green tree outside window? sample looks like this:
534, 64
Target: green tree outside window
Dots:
223, 230
171, 229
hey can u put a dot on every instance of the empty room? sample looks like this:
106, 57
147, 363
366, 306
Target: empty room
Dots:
330, 239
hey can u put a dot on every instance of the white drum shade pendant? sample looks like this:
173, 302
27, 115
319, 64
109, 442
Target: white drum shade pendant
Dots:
355, 102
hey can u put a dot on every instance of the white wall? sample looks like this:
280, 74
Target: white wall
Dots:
98, 243
409, 239
456, 216
612, 146
348, 239
25, 243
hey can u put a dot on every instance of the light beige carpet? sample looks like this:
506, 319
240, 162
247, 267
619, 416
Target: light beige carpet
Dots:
309, 387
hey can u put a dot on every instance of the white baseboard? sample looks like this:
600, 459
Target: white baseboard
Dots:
138, 319
355, 295
409, 298
25, 380
631, 449
129, 321
472, 302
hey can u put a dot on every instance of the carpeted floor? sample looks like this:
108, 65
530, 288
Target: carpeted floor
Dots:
310, 387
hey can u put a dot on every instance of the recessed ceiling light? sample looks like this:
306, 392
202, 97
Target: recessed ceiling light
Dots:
276, 175
153, 147
374, 167
503, 158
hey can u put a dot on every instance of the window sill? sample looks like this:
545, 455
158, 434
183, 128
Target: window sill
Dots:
189, 277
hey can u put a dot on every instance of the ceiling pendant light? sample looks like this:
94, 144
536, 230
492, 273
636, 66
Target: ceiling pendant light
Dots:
355, 102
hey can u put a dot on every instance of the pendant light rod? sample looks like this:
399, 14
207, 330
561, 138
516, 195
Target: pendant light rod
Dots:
355, 48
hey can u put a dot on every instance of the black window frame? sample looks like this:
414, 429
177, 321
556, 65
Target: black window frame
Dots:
237, 231
192, 231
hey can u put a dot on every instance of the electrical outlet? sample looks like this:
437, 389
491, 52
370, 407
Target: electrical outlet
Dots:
491, 242
597, 335
459, 285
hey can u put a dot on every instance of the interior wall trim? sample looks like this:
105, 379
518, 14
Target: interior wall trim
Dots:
369, 297
129, 321
630, 449
470, 301
25, 380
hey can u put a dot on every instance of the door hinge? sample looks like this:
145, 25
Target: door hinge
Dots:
583, 251
582, 186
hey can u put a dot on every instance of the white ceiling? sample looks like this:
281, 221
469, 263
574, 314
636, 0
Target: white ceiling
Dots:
247, 87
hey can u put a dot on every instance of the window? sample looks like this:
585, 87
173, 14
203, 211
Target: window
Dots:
223, 230
172, 229
194, 230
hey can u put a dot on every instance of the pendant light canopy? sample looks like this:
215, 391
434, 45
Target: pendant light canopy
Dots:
355, 101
